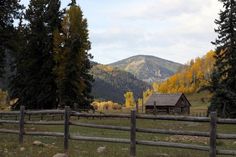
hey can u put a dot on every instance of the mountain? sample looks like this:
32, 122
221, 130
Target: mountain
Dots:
148, 68
112, 83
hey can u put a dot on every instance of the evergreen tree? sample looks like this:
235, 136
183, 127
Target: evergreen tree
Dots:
223, 81
38, 88
18, 81
47, 97
73, 60
9, 10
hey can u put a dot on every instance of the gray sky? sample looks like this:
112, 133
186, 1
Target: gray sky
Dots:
177, 30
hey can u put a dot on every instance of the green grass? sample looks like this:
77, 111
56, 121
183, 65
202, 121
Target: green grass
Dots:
9, 146
199, 102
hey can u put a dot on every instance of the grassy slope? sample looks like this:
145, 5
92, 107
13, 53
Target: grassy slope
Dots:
199, 102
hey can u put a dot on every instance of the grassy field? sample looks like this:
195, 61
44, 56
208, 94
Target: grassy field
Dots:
9, 143
9, 146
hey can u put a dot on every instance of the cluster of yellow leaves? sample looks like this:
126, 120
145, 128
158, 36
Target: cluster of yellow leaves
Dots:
147, 94
4, 103
105, 68
193, 76
106, 105
129, 99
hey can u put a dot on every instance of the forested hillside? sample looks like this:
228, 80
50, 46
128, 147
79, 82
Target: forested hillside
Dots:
194, 75
111, 83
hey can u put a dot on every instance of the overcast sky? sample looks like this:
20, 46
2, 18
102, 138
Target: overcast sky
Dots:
177, 30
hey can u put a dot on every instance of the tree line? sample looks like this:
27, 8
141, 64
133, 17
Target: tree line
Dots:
49, 51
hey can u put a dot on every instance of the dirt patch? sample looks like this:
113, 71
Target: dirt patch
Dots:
188, 139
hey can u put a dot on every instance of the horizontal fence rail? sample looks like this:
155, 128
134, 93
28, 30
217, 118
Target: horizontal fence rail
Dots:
67, 113
121, 128
138, 116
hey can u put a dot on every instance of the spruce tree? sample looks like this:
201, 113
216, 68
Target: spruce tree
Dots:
74, 81
223, 80
9, 10
47, 97
20, 39
35, 64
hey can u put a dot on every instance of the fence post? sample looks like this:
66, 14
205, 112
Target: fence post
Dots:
66, 128
21, 124
41, 116
213, 124
155, 107
133, 134
136, 106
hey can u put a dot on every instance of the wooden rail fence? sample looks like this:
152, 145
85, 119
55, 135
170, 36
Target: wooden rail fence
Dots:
67, 113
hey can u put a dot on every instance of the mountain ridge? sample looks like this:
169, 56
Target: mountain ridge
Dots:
148, 68
141, 55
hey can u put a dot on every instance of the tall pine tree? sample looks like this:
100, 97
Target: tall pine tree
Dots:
223, 82
73, 60
9, 10
38, 88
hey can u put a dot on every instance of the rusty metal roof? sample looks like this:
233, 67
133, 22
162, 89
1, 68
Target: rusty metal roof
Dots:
163, 99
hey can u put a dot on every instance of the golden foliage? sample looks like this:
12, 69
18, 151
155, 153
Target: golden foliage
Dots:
129, 99
147, 94
106, 105
106, 68
4, 102
194, 75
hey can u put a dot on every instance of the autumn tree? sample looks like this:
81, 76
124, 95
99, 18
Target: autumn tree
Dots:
147, 94
129, 99
140, 102
155, 86
223, 80
71, 46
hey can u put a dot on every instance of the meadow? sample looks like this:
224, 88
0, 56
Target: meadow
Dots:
9, 146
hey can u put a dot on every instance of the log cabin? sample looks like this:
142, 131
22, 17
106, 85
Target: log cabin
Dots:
167, 104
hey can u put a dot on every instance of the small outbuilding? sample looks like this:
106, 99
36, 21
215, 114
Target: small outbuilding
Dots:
167, 104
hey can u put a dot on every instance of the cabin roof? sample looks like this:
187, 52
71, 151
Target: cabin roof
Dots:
164, 99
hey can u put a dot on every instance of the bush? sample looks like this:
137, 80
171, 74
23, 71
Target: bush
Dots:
106, 105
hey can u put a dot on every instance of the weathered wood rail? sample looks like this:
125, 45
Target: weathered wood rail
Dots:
67, 113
